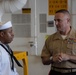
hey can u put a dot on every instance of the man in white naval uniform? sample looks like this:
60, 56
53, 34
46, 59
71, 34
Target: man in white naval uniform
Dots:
6, 37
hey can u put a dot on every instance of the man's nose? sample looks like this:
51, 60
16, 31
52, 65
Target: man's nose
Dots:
13, 34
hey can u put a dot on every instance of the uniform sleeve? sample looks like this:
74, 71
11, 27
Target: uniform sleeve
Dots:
45, 51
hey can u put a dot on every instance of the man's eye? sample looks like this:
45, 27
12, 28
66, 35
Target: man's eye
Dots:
57, 20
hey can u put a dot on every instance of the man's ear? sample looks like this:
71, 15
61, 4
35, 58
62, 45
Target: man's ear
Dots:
2, 34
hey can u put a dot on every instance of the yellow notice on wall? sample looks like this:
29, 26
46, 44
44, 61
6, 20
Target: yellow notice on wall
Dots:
54, 5
26, 10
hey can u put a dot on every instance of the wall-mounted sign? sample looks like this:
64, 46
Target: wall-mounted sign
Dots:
26, 10
54, 5
50, 23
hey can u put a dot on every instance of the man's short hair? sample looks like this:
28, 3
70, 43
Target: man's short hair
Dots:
63, 11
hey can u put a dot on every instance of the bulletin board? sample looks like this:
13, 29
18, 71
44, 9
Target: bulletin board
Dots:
54, 5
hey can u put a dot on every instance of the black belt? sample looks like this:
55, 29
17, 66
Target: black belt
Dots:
65, 69
62, 68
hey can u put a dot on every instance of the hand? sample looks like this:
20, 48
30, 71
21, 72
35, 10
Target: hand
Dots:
60, 57
64, 56
57, 58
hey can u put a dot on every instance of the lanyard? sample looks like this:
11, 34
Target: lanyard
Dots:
10, 52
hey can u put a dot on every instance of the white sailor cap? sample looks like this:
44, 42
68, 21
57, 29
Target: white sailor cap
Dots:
5, 25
